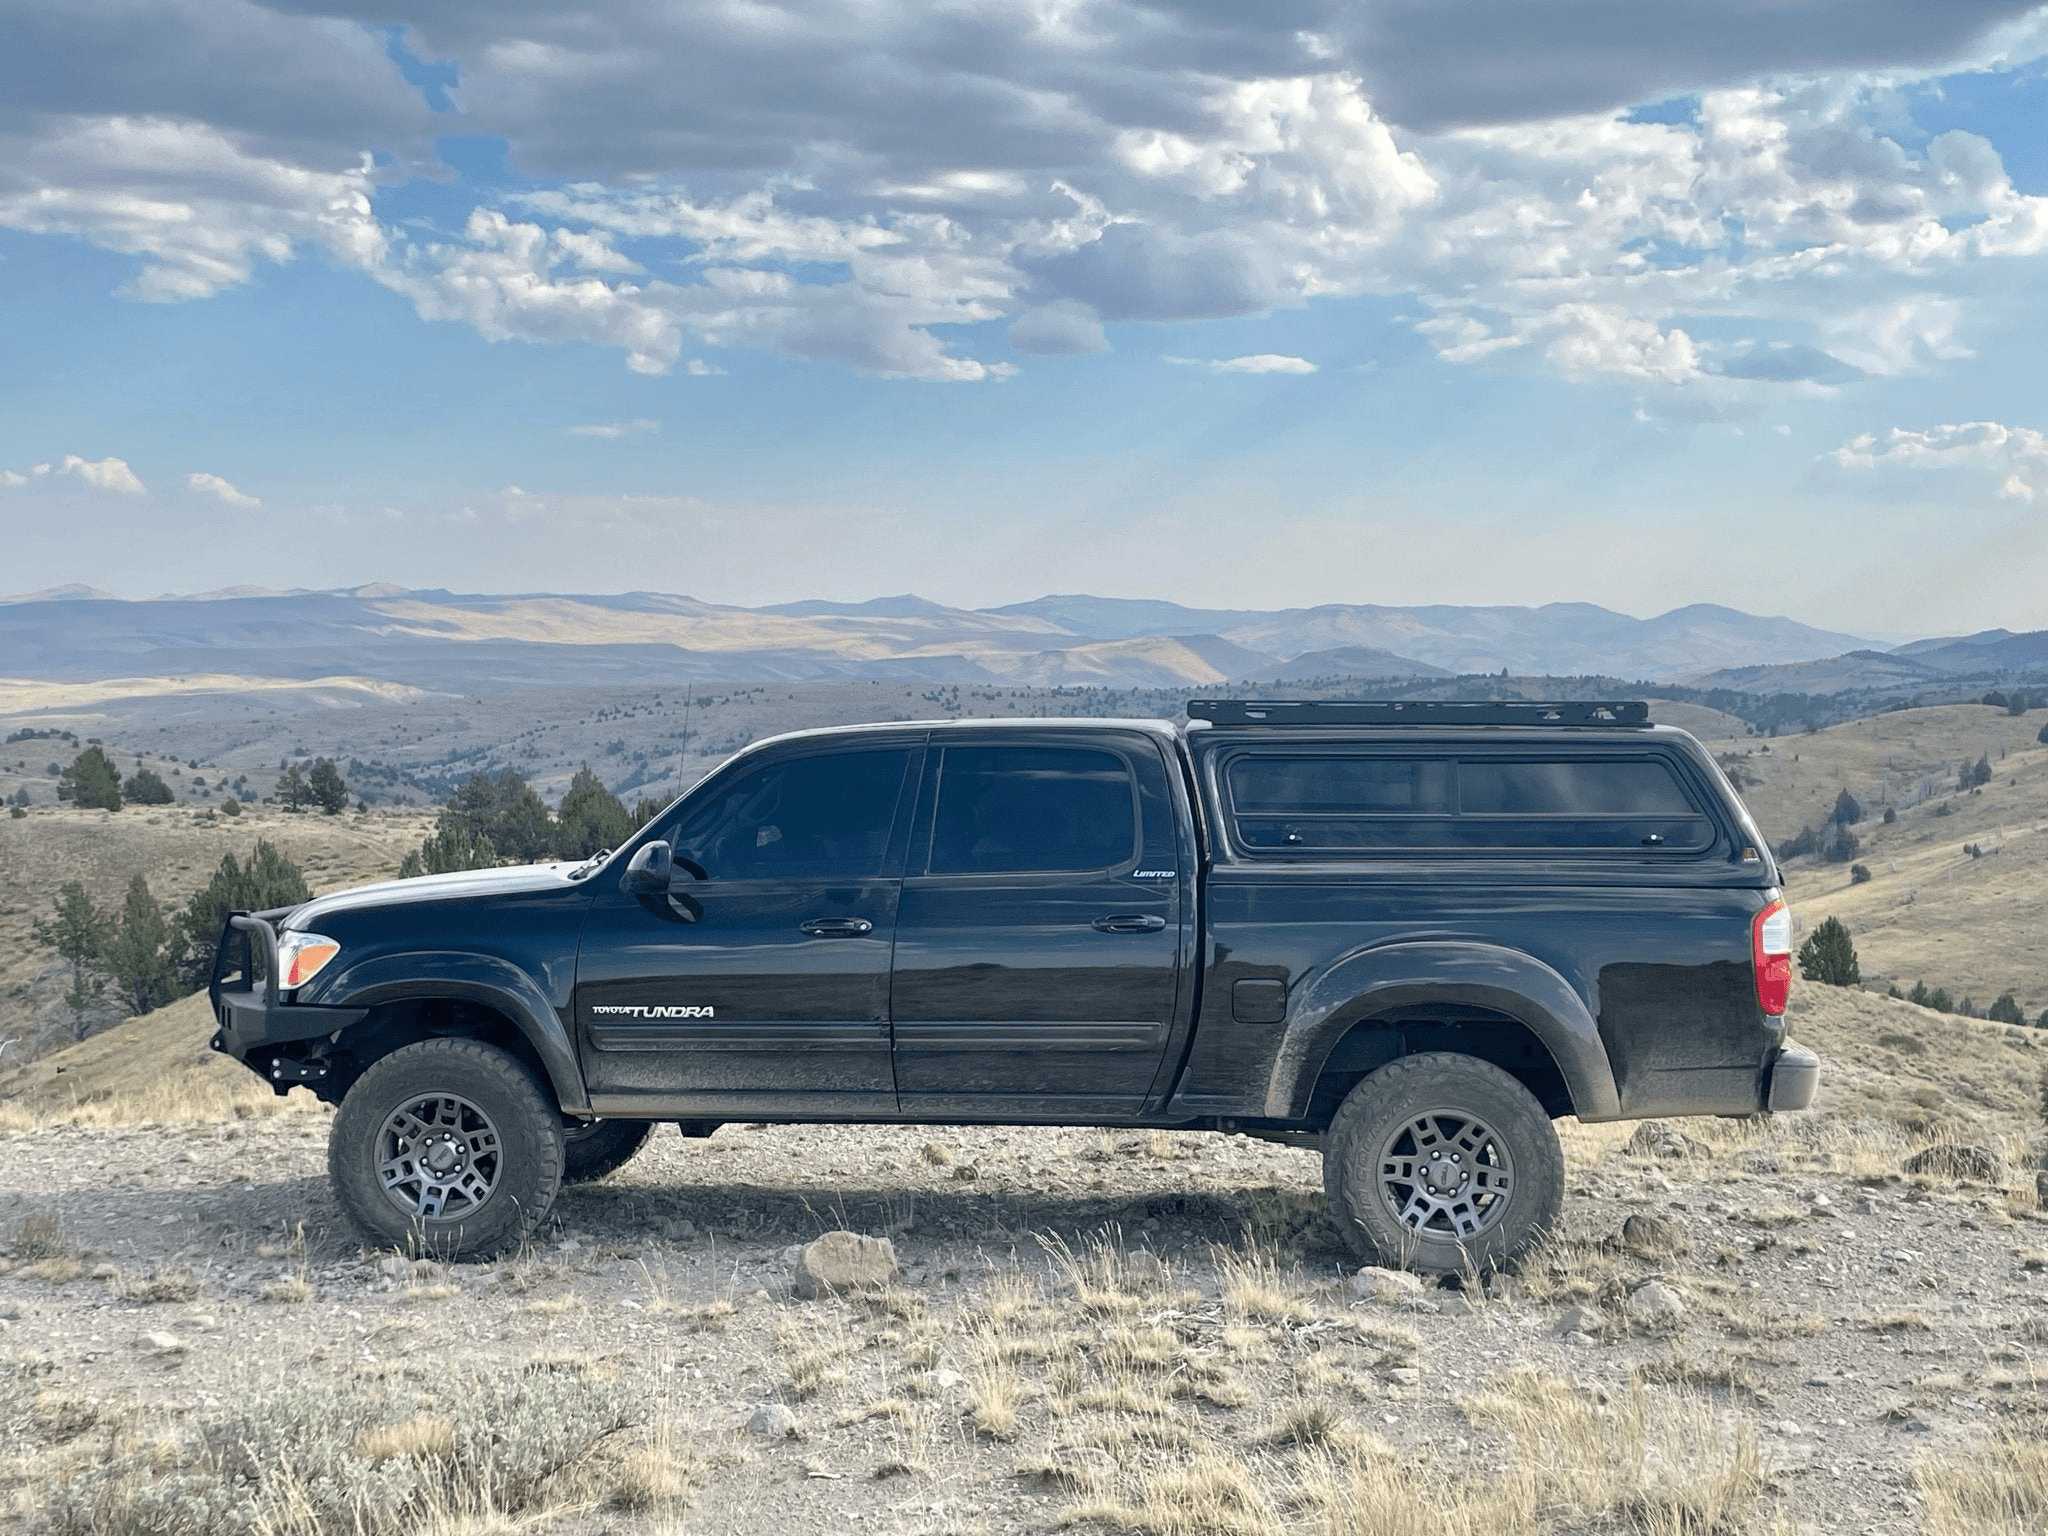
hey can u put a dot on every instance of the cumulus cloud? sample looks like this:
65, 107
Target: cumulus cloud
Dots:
224, 490
616, 428
108, 474
855, 187
12, 478
2015, 457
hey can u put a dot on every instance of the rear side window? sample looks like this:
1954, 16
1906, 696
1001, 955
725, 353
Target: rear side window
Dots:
1032, 809
1283, 803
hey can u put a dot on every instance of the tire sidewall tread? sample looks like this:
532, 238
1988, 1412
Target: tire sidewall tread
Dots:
1410, 1085
530, 1137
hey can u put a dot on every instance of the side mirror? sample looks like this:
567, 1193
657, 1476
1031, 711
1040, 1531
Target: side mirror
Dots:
648, 872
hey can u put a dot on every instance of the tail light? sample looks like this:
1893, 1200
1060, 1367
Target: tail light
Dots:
300, 957
1770, 951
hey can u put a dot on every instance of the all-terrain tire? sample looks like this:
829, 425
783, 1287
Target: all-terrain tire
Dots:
1442, 1164
447, 1149
597, 1148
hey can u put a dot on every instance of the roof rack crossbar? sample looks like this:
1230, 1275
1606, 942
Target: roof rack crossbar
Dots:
1299, 712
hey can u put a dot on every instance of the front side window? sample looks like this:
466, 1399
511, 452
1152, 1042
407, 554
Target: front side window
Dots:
1032, 809
825, 817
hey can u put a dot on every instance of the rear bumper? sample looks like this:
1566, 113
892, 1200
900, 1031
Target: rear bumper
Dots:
1791, 1080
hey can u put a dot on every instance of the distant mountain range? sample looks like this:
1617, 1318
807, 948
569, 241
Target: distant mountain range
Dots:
477, 643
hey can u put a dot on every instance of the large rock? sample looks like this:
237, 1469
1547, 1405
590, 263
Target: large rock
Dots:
1956, 1160
845, 1264
1653, 1304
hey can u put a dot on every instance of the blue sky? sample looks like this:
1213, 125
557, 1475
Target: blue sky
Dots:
1466, 301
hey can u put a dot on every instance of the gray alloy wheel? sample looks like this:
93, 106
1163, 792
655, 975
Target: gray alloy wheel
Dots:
592, 1149
1443, 1164
446, 1148
438, 1158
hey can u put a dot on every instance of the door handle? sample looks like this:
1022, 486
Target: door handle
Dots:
836, 927
1129, 922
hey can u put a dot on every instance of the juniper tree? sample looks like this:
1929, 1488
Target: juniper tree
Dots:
78, 933
1827, 956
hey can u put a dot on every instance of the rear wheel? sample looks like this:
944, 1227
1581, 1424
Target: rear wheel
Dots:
596, 1148
447, 1148
1443, 1164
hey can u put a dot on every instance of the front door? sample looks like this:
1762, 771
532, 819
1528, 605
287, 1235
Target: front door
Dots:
764, 987
1039, 936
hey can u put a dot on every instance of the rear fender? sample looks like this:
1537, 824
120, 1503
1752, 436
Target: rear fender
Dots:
1486, 976
486, 979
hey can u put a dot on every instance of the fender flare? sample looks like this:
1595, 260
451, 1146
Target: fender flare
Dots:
478, 978
1487, 976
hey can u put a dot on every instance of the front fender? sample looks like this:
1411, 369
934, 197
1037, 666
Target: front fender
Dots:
478, 978
1487, 976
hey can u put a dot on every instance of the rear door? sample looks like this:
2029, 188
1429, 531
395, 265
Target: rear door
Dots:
764, 988
1039, 939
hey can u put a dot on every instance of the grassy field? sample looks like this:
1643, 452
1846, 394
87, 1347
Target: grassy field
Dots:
1931, 910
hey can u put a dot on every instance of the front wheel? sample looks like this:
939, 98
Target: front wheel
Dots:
596, 1148
1443, 1164
446, 1148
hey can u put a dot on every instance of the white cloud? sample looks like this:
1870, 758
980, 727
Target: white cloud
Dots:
616, 428
714, 180
1257, 362
11, 478
2015, 457
108, 474
698, 368
227, 491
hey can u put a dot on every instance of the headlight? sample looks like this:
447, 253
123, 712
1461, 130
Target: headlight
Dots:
300, 957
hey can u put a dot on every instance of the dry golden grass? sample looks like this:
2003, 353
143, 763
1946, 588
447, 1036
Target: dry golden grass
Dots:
1998, 1489
164, 1283
816, 1353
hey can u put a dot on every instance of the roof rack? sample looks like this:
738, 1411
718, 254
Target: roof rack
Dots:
1296, 712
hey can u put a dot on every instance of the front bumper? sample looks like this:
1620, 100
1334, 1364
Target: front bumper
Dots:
251, 1013
1791, 1080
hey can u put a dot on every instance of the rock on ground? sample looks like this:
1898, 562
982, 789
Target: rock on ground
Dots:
845, 1263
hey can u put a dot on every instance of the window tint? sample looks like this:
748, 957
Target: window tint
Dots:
825, 817
1019, 809
1363, 802
1286, 786
1584, 788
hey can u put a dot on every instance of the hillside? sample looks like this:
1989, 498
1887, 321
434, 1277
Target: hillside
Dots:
177, 850
1930, 911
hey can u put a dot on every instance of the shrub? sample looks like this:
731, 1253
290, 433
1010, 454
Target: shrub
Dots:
145, 786
447, 850
231, 808
1890, 815
1827, 956
1799, 846
1858, 873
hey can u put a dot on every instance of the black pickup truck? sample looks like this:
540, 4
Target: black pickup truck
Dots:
1412, 933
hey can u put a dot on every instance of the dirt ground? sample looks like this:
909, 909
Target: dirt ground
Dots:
1110, 1331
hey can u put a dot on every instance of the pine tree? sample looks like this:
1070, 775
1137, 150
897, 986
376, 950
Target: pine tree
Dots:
92, 781
79, 935
327, 787
503, 810
269, 880
591, 818
1847, 811
136, 953
1827, 956
293, 792
1920, 995
450, 848
2006, 1010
